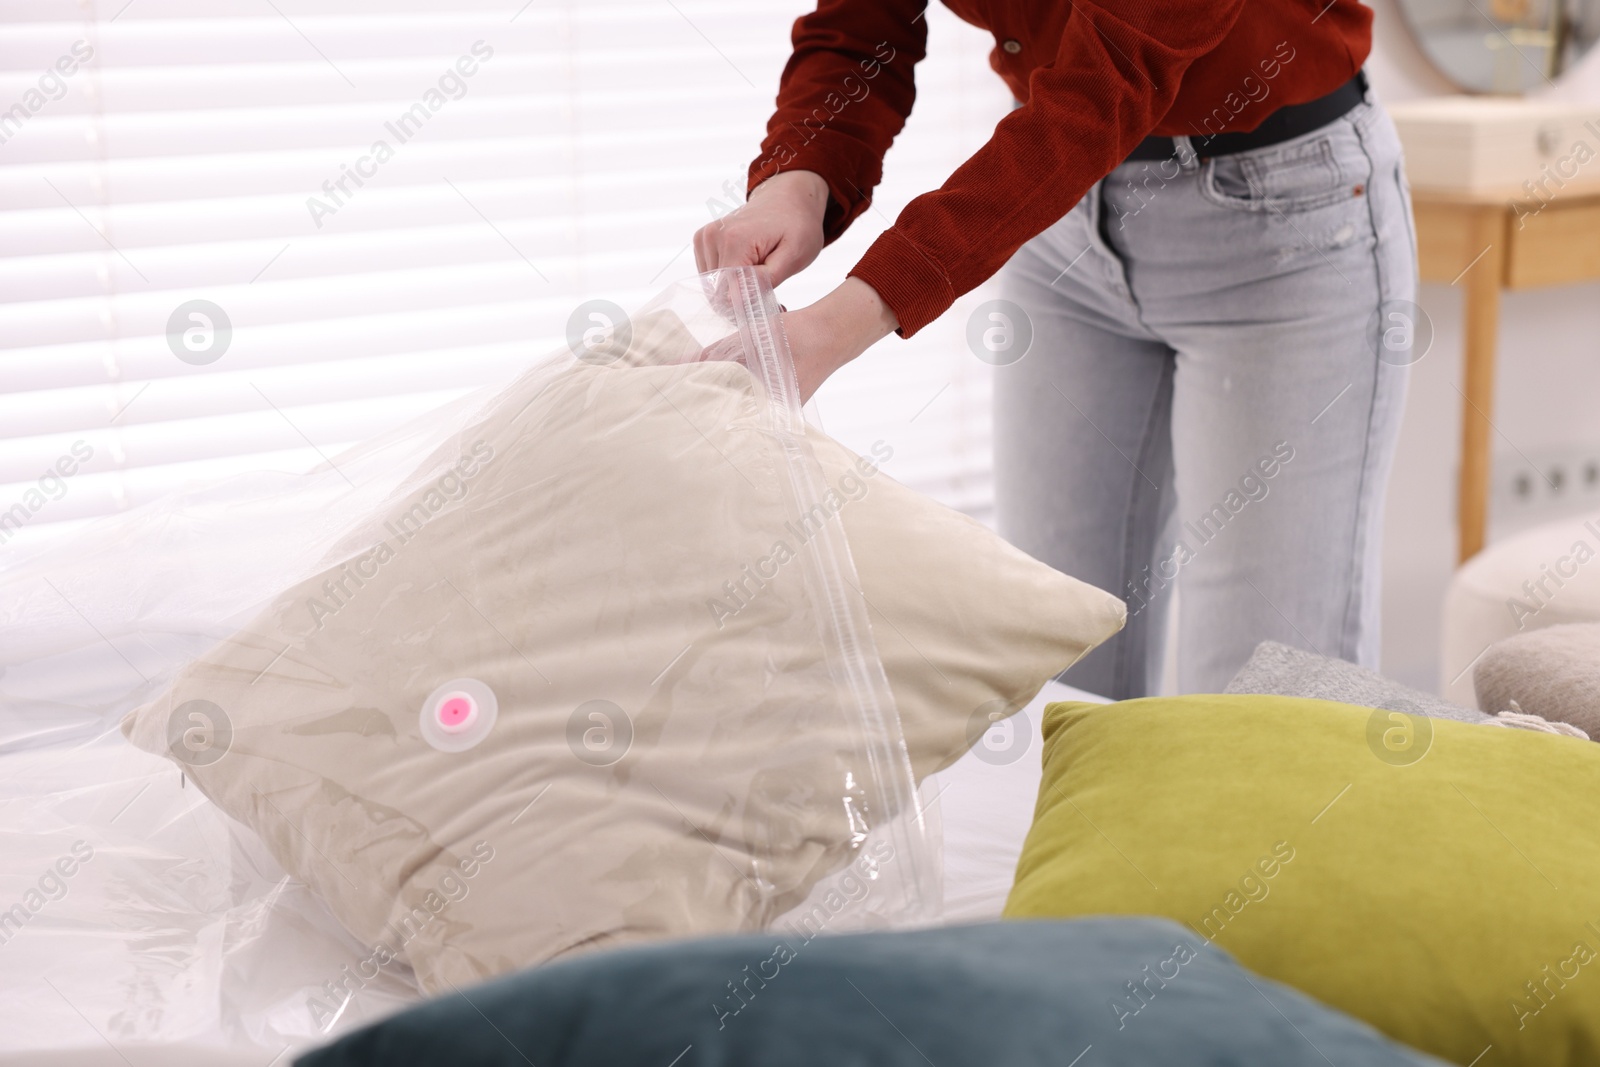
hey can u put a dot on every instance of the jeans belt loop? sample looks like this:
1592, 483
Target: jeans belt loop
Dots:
1188, 159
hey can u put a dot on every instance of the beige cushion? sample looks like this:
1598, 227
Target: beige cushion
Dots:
1553, 673
579, 554
1546, 576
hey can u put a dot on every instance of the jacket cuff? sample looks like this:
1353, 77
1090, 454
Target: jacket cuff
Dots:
850, 168
914, 286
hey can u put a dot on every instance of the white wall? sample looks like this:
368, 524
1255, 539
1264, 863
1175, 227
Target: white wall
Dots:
1545, 398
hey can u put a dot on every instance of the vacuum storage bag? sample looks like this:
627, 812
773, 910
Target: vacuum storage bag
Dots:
577, 663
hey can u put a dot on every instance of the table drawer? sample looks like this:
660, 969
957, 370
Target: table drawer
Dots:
1557, 246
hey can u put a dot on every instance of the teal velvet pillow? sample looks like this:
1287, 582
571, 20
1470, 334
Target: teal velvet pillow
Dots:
1092, 992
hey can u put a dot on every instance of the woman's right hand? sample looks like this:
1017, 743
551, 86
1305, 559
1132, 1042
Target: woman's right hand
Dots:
778, 227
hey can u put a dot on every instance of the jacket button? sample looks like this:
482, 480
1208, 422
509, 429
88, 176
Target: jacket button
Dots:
1011, 46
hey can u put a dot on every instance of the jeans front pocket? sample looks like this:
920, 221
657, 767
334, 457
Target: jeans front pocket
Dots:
1300, 176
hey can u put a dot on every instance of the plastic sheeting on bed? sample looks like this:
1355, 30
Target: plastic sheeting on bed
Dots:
525, 677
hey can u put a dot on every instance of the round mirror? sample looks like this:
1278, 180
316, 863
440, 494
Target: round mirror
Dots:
1503, 46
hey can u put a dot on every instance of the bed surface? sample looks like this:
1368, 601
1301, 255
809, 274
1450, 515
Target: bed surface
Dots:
984, 808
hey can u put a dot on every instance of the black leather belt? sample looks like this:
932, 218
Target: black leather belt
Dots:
1283, 124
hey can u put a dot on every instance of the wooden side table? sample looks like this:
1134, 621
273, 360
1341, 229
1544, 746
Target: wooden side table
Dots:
1481, 242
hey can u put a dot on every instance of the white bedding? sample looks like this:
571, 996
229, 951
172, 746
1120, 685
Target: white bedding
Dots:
984, 809
213, 942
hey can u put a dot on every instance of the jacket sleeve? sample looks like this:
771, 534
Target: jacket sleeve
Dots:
1112, 79
845, 93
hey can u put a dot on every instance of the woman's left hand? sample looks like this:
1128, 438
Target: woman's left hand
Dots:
836, 329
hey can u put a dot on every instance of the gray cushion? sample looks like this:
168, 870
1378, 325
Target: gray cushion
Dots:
1278, 670
1553, 672
1037, 993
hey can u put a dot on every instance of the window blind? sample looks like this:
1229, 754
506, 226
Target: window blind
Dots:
244, 234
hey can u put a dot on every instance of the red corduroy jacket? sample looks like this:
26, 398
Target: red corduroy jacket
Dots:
1094, 76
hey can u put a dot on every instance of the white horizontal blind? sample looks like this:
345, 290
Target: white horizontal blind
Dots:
161, 152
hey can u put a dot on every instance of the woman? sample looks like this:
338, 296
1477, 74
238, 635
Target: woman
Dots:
1202, 222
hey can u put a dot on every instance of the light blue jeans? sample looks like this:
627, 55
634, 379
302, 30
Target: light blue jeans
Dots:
1212, 396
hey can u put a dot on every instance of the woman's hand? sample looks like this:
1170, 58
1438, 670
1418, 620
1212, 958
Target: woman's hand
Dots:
836, 329
779, 227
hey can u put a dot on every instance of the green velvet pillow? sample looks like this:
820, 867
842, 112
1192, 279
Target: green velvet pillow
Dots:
1439, 880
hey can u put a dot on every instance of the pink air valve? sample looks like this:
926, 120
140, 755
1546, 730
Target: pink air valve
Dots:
458, 715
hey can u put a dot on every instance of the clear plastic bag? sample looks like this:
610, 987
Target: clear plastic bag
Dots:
566, 664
